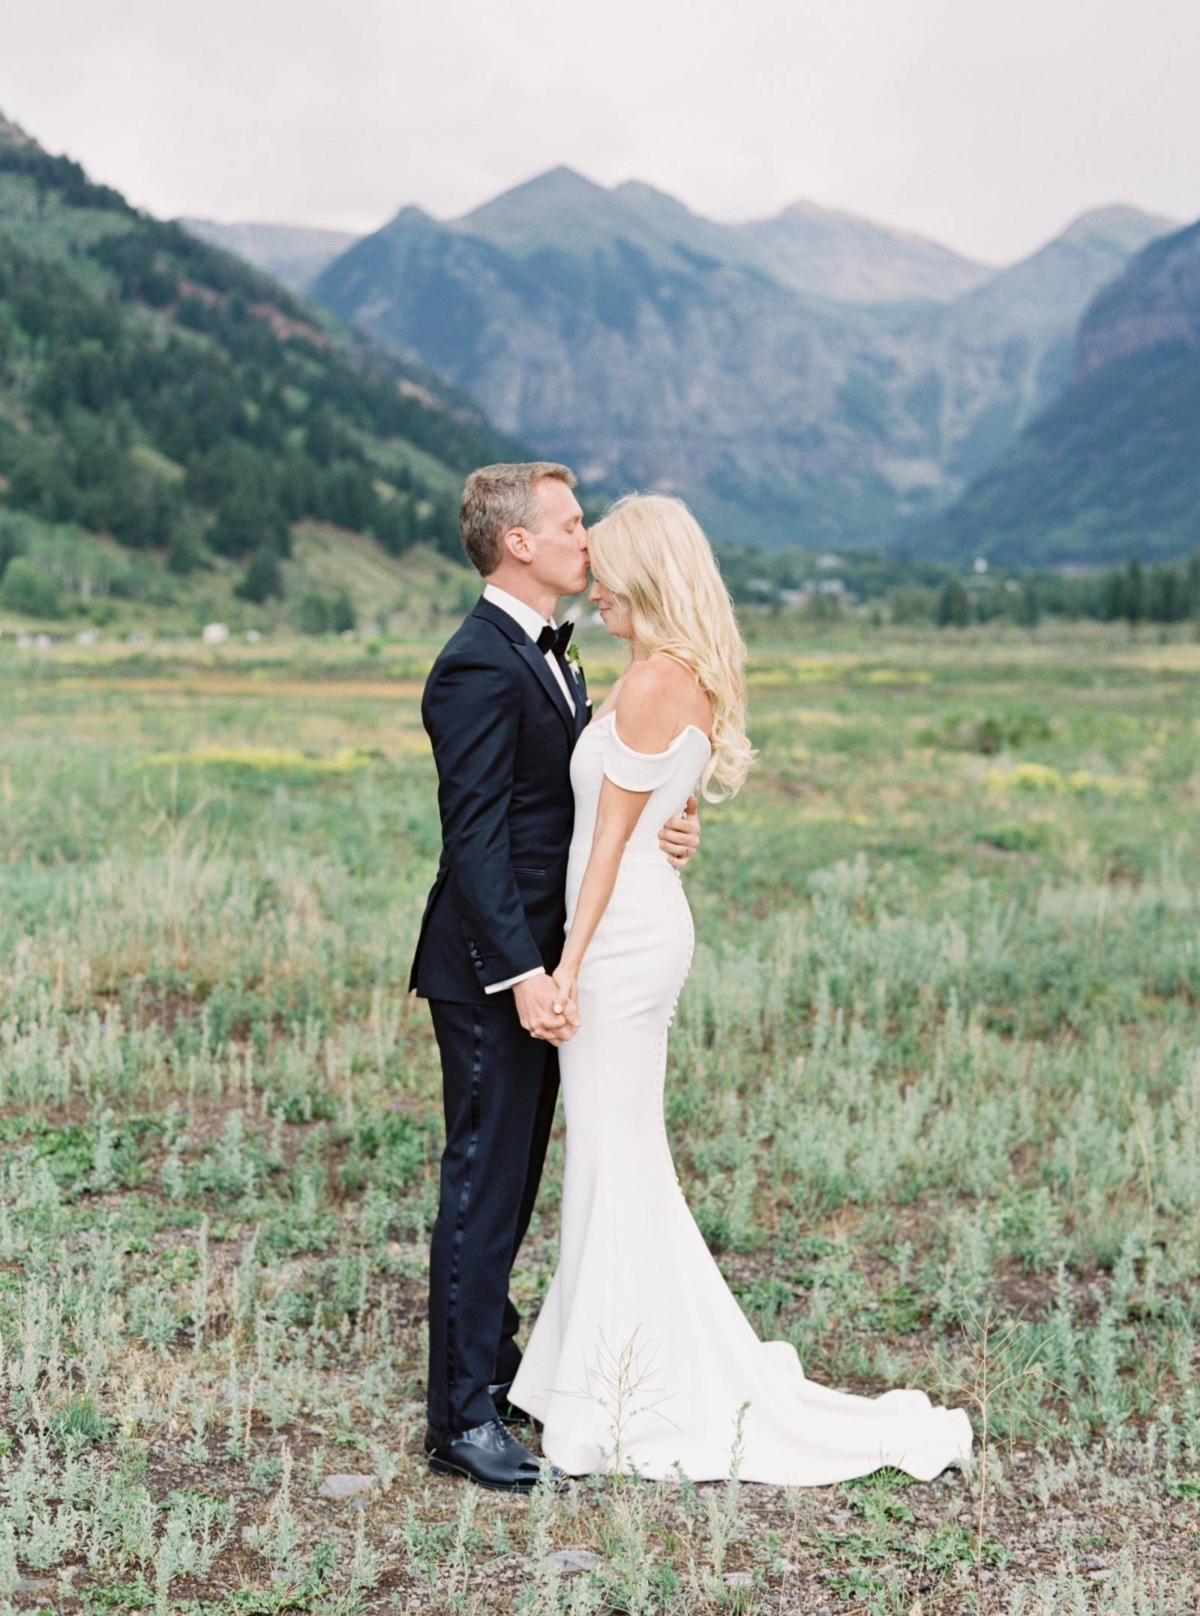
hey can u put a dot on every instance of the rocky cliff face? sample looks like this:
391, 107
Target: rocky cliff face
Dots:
1112, 467
1003, 349
1155, 303
646, 345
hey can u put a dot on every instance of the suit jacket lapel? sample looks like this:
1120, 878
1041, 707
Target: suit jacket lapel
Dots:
529, 653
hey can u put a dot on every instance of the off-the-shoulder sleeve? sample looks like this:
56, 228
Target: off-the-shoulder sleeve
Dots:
637, 771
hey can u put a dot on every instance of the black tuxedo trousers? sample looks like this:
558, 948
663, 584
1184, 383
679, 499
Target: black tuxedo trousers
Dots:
499, 1090
502, 739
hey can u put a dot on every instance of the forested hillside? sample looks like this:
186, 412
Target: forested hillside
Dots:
160, 391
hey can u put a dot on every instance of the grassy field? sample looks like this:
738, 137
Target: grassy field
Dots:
934, 1097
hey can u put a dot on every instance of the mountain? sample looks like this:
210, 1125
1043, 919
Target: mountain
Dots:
292, 254
638, 352
1112, 467
1003, 350
160, 393
647, 345
811, 249
1155, 304
841, 256
814, 249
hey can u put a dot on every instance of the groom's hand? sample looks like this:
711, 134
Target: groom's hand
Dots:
679, 838
535, 1000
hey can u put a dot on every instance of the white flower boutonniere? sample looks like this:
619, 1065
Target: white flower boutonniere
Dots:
574, 662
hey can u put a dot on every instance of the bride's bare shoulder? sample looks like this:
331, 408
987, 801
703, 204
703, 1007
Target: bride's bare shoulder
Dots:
652, 680
657, 698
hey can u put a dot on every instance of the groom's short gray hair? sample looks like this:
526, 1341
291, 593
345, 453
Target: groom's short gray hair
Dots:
498, 498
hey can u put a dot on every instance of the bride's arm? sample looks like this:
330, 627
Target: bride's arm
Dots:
646, 723
616, 816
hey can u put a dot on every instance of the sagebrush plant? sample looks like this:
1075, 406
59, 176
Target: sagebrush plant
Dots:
934, 1096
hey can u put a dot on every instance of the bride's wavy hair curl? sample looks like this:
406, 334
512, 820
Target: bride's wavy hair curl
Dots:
651, 552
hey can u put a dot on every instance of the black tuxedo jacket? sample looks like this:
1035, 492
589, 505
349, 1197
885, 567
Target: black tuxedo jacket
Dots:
502, 741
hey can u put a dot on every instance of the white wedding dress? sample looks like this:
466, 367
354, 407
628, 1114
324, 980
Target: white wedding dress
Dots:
641, 1357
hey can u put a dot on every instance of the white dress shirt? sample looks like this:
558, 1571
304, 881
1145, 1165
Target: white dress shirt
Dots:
525, 617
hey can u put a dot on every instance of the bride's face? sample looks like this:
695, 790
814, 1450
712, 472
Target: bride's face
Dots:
614, 612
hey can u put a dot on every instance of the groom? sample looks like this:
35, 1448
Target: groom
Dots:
503, 708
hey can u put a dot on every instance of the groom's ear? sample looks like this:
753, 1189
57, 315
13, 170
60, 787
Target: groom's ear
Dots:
516, 544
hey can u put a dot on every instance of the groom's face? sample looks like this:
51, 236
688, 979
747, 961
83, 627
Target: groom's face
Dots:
559, 542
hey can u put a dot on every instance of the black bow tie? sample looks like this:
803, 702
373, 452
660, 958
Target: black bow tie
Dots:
556, 639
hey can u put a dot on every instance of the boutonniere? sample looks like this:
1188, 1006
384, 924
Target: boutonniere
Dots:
575, 662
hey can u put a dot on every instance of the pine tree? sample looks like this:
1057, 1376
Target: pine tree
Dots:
247, 520
954, 605
1028, 610
1133, 607
393, 524
263, 578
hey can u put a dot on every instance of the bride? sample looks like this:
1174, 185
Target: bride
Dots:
641, 1357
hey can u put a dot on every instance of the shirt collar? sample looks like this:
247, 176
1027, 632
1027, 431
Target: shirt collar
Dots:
524, 616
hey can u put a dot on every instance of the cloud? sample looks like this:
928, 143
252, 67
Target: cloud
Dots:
985, 126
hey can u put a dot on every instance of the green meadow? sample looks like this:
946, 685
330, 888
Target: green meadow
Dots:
934, 1097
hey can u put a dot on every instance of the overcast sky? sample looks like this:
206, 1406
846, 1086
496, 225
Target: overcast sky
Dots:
986, 124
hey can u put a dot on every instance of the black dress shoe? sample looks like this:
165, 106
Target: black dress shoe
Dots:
486, 1455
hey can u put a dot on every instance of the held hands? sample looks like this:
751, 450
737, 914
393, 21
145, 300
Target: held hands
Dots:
545, 1013
566, 990
549, 1005
679, 838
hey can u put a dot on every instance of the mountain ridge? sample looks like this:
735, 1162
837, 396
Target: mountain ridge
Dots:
291, 254
647, 346
515, 212
617, 329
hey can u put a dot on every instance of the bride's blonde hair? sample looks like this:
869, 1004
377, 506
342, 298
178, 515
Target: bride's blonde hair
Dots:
651, 552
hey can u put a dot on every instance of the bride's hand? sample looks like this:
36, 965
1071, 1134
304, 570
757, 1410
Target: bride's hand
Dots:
566, 995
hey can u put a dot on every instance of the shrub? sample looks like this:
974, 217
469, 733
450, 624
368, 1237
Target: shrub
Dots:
11, 543
312, 613
262, 579
911, 606
25, 589
325, 614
